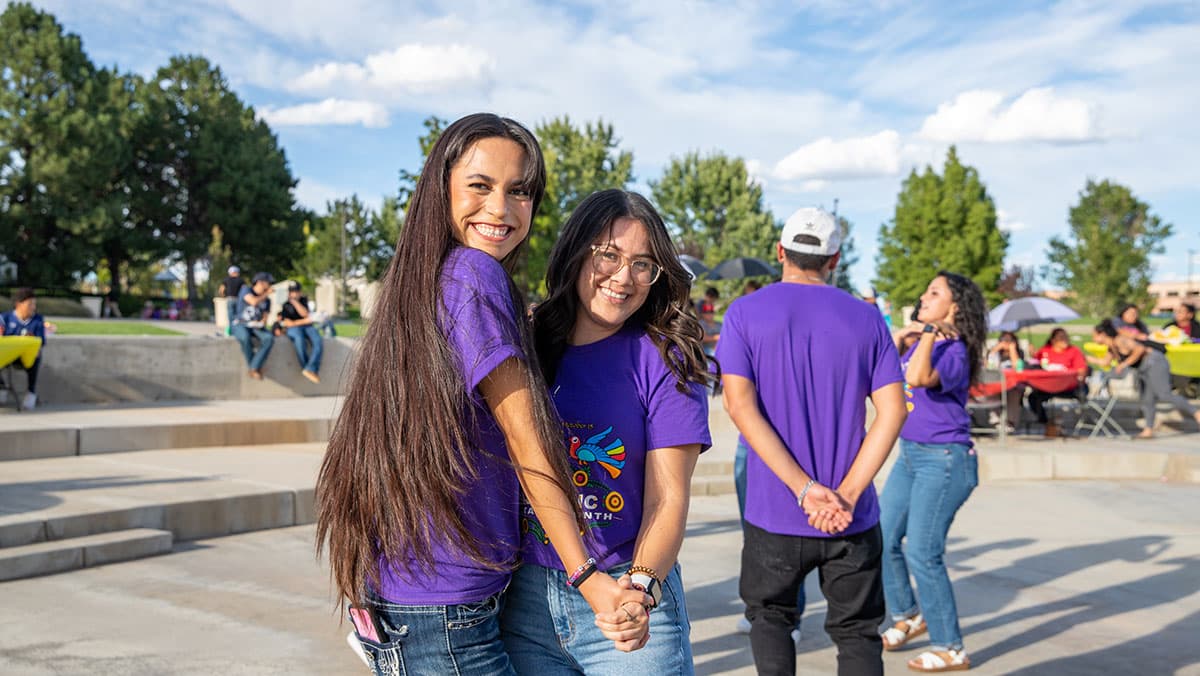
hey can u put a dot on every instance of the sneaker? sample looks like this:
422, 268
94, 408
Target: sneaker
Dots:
311, 375
255, 374
743, 625
29, 402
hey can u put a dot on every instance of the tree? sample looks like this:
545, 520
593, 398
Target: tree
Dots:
1106, 259
56, 147
714, 209
578, 163
214, 163
434, 126
849, 259
1018, 282
942, 222
367, 236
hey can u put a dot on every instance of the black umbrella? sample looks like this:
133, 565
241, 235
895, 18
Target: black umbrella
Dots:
740, 268
693, 265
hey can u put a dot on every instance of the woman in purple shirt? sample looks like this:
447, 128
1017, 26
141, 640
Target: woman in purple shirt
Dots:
935, 473
418, 497
628, 375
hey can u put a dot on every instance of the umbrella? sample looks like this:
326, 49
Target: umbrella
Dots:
166, 276
740, 268
693, 265
1022, 312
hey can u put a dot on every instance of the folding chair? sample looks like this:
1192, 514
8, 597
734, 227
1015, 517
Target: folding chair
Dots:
1100, 404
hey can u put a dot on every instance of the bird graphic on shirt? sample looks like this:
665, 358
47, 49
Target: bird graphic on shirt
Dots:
610, 457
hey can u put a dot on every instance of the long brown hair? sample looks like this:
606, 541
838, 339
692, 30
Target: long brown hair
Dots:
402, 452
665, 315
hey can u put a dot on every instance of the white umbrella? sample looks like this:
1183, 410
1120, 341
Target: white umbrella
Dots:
1021, 312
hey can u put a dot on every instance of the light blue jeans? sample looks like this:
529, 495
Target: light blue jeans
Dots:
246, 336
549, 629
453, 639
299, 335
928, 483
739, 484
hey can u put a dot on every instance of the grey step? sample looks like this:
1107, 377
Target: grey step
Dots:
46, 558
713, 485
185, 520
51, 442
713, 468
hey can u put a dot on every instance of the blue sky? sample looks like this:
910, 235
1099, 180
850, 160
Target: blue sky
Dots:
824, 99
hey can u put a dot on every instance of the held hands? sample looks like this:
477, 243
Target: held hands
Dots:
827, 511
620, 610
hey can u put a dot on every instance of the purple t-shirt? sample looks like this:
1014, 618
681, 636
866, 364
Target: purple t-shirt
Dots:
480, 324
814, 354
618, 401
939, 415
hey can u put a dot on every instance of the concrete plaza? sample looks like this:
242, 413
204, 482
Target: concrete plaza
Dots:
1051, 577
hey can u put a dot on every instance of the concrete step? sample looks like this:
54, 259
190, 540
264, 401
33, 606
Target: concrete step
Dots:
192, 493
72, 431
713, 485
713, 468
46, 558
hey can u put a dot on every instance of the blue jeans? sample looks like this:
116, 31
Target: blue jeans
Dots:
245, 335
927, 485
739, 484
453, 639
549, 629
309, 333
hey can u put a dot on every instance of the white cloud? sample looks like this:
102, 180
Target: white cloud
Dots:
1007, 223
1037, 115
825, 158
814, 186
328, 112
407, 69
316, 195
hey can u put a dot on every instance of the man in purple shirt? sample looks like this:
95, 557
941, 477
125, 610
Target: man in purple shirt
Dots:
799, 359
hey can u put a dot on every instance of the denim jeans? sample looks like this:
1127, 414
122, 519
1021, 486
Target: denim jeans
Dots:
461, 639
299, 336
928, 483
245, 335
774, 565
549, 629
739, 484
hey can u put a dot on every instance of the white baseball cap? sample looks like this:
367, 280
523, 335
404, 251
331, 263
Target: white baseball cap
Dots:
233, 269
816, 223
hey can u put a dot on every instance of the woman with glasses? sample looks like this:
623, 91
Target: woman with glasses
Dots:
627, 373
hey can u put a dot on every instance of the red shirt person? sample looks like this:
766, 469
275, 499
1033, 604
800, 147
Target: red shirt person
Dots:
1058, 354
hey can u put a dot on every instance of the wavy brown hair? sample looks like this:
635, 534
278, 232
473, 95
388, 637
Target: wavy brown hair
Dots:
665, 316
403, 450
970, 320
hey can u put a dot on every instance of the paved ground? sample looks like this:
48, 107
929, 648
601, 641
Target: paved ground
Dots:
1052, 578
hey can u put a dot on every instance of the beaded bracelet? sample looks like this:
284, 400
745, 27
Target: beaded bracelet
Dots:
583, 572
643, 569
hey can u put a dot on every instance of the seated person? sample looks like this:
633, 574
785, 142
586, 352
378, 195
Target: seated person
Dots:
1058, 354
301, 327
1181, 330
24, 320
249, 323
1185, 321
1129, 322
1007, 354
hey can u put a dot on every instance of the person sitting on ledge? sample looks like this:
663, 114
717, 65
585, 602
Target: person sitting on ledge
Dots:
249, 324
24, 320
301, 327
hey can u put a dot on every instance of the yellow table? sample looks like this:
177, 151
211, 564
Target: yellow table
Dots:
1184, 359
25, 348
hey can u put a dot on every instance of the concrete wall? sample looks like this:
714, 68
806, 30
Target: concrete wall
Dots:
112, 369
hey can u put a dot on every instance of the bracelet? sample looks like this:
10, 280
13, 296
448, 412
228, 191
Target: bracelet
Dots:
583, 572
643, 569
800, 499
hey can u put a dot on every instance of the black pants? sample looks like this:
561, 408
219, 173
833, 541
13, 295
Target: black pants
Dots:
774, 567
31, 372
1038, 399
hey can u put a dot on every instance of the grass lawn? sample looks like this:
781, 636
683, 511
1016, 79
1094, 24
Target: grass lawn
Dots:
350, 329
104, 328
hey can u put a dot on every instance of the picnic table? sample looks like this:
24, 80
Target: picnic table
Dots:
1183, 359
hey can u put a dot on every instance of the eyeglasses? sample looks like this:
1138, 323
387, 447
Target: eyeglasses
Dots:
607, 262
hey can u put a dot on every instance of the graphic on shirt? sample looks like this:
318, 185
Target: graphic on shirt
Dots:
908, 392
610, 457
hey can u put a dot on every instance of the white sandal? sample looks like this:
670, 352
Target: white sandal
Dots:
895, 636
934, 661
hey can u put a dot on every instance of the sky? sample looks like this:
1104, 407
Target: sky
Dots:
825, 100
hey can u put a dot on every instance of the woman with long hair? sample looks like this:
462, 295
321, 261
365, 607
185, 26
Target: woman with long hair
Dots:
1150, 364
628, 373
1058, 354
935, 473
446, 419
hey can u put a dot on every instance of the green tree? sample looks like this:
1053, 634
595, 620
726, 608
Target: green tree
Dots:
367, 238
578, 163
434, 126
842, 278
942, 222
56, 147
1106, 258
714, 209
214, 163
